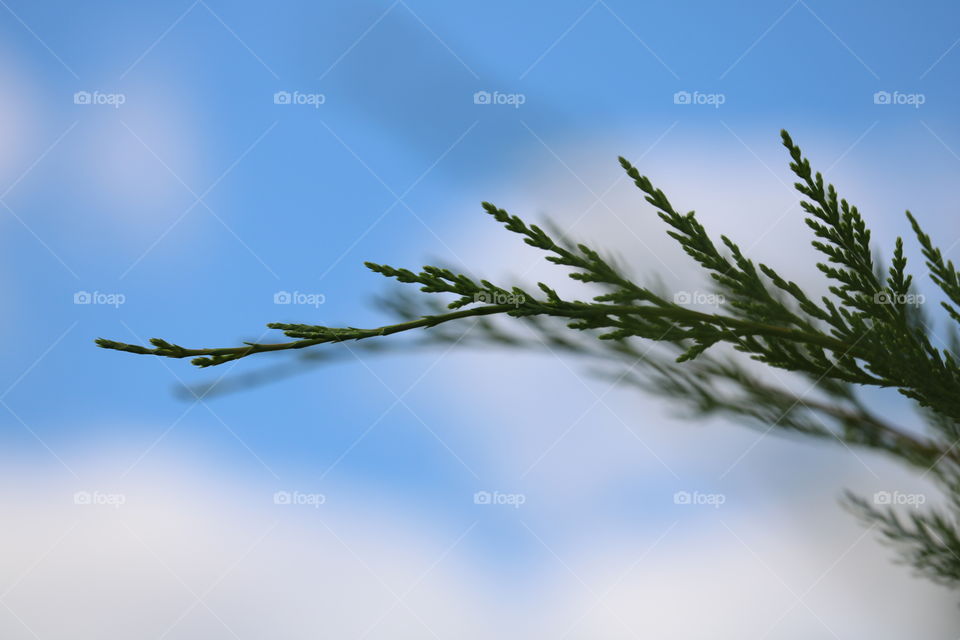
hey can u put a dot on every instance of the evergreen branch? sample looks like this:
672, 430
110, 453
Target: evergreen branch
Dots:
942, 273
927, 540
319, 335
866, 332
841, 417
589, 315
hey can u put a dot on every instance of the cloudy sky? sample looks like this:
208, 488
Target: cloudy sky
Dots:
168, 168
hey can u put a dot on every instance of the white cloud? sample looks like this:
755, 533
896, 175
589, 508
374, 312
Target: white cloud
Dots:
18, 123
130, 161
266, 570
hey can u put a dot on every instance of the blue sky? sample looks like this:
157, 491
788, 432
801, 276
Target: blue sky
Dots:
199, 197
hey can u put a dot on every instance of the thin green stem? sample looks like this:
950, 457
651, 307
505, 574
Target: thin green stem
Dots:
573, 311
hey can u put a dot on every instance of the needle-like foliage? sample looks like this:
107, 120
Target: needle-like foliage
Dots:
868, 332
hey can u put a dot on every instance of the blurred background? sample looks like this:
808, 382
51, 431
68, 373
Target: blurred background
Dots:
194, 170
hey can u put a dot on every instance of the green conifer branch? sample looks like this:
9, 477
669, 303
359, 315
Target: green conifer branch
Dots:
625, 320
866, 332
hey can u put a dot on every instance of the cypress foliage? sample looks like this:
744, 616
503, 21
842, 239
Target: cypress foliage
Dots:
868, 332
